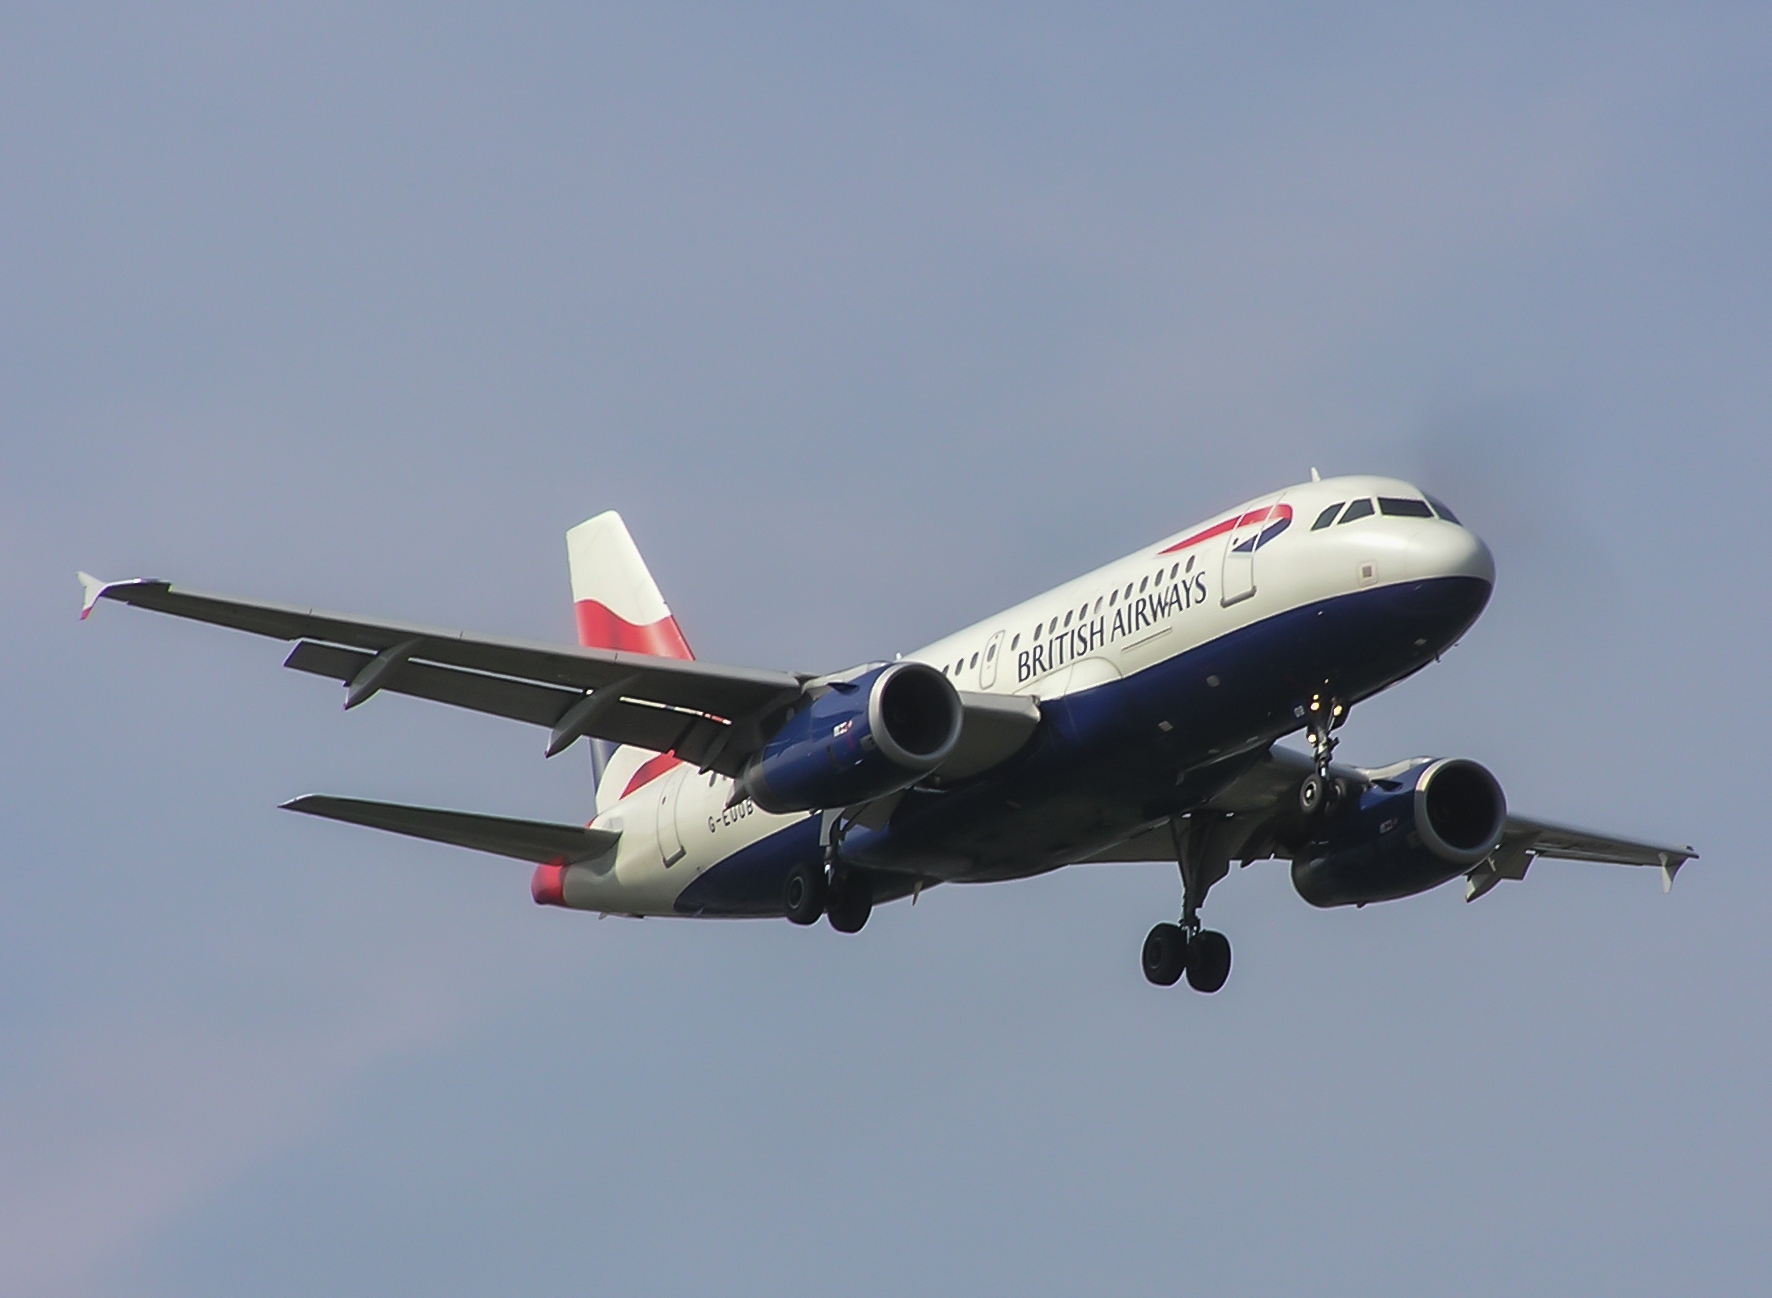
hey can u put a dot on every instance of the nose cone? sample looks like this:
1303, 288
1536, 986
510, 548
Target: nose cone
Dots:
1448, 550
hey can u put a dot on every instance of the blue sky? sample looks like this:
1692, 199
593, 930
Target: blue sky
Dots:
868, 323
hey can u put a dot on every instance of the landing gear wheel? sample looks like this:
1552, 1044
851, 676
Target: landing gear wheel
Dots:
1165, 954
803, 897
1208, 961
850, 902
1319, 795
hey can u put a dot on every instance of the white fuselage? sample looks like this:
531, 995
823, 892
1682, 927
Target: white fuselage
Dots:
1192, 588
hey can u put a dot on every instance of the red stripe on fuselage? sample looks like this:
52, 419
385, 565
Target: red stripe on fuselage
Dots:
1231, 524
548, 884
598, 628
650, 771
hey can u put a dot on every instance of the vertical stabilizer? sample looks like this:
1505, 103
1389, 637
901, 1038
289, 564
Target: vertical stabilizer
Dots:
619, 607
618, 603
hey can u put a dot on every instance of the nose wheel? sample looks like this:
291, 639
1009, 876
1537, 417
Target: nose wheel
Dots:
1172, 950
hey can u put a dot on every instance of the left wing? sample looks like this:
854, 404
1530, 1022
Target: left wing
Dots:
711, 716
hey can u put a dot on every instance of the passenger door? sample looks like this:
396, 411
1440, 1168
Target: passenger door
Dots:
1238, 576
670, 793
987, 672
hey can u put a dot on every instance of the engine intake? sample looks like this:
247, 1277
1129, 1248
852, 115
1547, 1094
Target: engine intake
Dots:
1405, 835
861, 739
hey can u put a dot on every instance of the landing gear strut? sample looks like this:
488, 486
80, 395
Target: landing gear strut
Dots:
1320, 794
1186, 947
829, 887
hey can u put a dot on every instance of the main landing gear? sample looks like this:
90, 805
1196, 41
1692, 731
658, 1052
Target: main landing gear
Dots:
830, 888
1174, 949
1321, 794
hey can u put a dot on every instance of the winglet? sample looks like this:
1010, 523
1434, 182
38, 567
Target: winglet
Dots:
97, 589
93, 588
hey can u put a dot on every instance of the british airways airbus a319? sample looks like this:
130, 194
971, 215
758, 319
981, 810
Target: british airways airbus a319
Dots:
1129, 715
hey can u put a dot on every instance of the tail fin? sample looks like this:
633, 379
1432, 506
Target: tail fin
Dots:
619, 607
618, 603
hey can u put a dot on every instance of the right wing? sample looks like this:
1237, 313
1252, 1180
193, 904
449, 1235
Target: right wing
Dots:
1525, 840
1256, 817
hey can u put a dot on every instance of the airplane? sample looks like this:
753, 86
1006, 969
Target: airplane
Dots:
1129, 715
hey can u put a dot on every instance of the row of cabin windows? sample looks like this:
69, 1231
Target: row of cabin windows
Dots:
1391, 506
963, 665
1109, 600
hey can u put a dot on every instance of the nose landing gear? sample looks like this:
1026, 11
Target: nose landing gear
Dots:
1321, 794
1186, 947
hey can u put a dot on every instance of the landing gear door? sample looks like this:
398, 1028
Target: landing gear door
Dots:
1252, 531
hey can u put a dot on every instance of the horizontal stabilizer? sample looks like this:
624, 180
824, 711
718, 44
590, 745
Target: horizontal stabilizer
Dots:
526, 840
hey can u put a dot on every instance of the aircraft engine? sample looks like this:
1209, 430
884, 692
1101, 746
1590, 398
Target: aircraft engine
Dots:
1404, 835
861, 739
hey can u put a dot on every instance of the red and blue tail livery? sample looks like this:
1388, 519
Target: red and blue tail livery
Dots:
1132, 714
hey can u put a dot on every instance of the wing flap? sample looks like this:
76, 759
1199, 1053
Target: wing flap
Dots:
524, 840
994, 728
644, 725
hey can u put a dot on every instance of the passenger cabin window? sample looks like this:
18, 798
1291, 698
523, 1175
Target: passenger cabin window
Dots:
1403, 507
1113, 598
1098, 603
1327, 516
1143, 584
1442, 511
1173, 569
1067, 617
991, 653
1357, 509
1015, 644
974, 661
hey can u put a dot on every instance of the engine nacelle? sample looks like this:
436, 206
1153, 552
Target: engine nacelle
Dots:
1405, 835
860, 739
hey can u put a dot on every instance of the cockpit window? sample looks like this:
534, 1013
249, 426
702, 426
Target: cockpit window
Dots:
1361, 508
1403, 507
1442, 511
1327, 516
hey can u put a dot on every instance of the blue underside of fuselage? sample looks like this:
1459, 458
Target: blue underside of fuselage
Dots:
1102, 765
